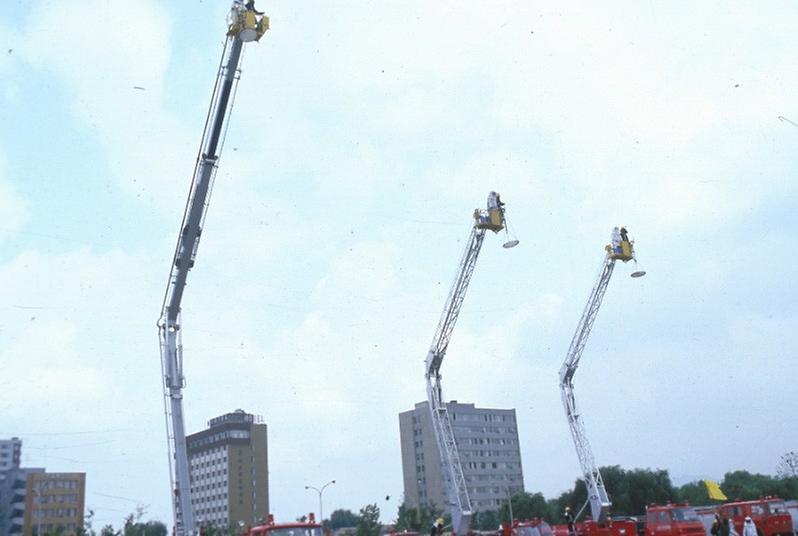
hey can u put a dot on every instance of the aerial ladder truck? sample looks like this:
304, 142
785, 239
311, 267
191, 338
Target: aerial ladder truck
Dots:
244, 25
620, 249
455, 487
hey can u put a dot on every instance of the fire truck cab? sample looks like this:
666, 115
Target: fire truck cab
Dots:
673, 519
769, 514
613, 527
532, 527
299, 528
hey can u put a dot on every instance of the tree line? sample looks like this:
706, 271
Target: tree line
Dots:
630, 490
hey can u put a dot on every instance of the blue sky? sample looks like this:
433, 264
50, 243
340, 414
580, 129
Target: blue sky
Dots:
363, 136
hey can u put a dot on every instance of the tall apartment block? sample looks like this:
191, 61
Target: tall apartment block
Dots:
229, 468
487, 440
53, 502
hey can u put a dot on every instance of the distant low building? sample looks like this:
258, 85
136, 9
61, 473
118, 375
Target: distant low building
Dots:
487, 440
229, 468
54, 502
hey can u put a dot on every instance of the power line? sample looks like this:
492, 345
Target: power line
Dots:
85, 432
116, 497
72, 446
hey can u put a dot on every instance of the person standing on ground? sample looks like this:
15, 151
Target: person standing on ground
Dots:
724, 527
715, 530
569, 519
749, 528
437, 528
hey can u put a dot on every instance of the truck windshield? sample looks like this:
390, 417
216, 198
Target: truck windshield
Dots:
526, 531
776, 507
684, 514
296, 531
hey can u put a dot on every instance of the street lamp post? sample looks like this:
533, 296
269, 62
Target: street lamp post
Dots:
510, 504
320, 491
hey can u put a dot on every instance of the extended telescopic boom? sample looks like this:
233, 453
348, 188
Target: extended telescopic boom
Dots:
622, 249
244, 25
456, 490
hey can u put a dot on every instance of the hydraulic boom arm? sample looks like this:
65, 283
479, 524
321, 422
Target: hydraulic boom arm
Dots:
456, 490
244, 25
620, 249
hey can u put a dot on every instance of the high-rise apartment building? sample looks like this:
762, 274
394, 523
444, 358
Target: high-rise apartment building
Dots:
229, 468
53, 502
487, 440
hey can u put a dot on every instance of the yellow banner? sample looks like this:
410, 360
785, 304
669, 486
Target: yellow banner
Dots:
714, 492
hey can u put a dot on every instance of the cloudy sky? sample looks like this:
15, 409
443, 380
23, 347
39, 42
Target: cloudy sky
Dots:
364, 135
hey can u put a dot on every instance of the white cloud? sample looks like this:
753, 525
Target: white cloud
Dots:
46, 363
47, 336
103, 51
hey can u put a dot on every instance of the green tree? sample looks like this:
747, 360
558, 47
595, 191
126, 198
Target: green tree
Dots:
86, 529
108, 530
369, 521
745, 486
630, 491
525, 506
694, 493
341, 518
134, 526
574, 498
487, 520
416, 519
407, 519
788, 465
58, 531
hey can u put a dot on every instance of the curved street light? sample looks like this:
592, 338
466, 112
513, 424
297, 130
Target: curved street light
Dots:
320, 491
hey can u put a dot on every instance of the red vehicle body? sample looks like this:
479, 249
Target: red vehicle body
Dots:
679, 519
532, 527
769, 514
614, 527
298, 528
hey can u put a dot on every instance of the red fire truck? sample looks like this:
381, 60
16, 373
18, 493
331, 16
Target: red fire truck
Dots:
532, 527
298, 528
613, 527
673, 519
769, 514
